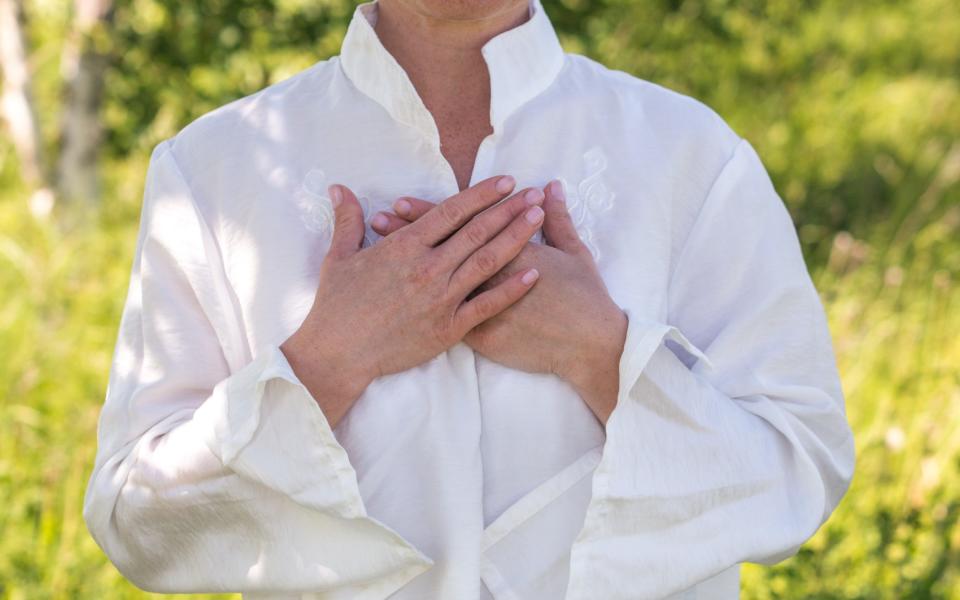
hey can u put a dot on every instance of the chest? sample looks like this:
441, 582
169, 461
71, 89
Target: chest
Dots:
278, 228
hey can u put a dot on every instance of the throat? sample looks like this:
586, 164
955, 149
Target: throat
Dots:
444, 62
460, 139
458, 99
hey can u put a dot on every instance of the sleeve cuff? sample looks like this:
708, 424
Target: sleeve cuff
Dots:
263, 423
643, 338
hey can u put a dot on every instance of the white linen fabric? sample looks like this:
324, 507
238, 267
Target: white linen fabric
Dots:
462, 478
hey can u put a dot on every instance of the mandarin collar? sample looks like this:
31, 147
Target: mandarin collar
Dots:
522, 62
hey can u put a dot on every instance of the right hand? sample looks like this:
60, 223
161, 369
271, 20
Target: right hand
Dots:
398, 303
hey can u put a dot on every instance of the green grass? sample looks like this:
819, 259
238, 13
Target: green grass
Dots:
894, 314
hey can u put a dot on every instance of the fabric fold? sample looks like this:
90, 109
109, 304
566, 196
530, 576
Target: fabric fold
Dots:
642, 339
525, 551
738, 457
208, 480
235, 415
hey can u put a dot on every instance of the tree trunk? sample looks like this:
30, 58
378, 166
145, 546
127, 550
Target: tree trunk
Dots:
83, 64
16, 105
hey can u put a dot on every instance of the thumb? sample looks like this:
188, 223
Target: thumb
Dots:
348, 227
558, 228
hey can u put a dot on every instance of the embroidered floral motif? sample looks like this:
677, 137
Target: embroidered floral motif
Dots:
589, 198
317, 212
586, 201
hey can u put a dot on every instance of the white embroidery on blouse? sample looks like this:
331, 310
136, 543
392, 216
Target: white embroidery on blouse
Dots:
317, 212
589, 198
586, 202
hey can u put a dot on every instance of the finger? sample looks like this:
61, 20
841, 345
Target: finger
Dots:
410, 208
348, 227
485, 226
449, 215
490, 258
558, 228
386, 223
488, 304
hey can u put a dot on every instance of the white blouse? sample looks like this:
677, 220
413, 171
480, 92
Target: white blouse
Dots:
462, 478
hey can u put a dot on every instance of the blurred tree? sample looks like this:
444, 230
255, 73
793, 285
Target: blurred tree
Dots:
83, 64
16, 104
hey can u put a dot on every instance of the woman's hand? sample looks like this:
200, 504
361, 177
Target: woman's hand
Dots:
568, 325
394, 305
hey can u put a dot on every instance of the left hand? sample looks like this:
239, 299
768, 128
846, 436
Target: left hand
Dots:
566, 325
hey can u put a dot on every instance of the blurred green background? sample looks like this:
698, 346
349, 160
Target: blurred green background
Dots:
854, 107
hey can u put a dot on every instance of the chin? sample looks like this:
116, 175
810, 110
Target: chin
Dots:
463, 10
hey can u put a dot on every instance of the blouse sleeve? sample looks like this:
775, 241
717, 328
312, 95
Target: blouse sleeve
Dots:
217, 478
729, 442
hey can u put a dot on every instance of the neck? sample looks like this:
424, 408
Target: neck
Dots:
442, 57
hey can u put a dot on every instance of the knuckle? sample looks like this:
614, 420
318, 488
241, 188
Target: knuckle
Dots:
518, 207
451, 213
485, 262
521, 232
345, 216
476, 233
340, 221
561, 218
442, 332
394, 247
485, 305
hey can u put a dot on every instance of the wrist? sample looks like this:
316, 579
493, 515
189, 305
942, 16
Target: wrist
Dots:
601, 350
595, 374
334, 380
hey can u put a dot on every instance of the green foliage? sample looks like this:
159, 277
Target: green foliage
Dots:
854, 107
175, 61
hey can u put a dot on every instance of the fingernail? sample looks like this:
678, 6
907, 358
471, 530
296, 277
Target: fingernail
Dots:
336, 196
530, 276
534, 215
556, 189
401, 207
379, 221
505, 184
533, 196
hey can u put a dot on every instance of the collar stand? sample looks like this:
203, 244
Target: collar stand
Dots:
522, 62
